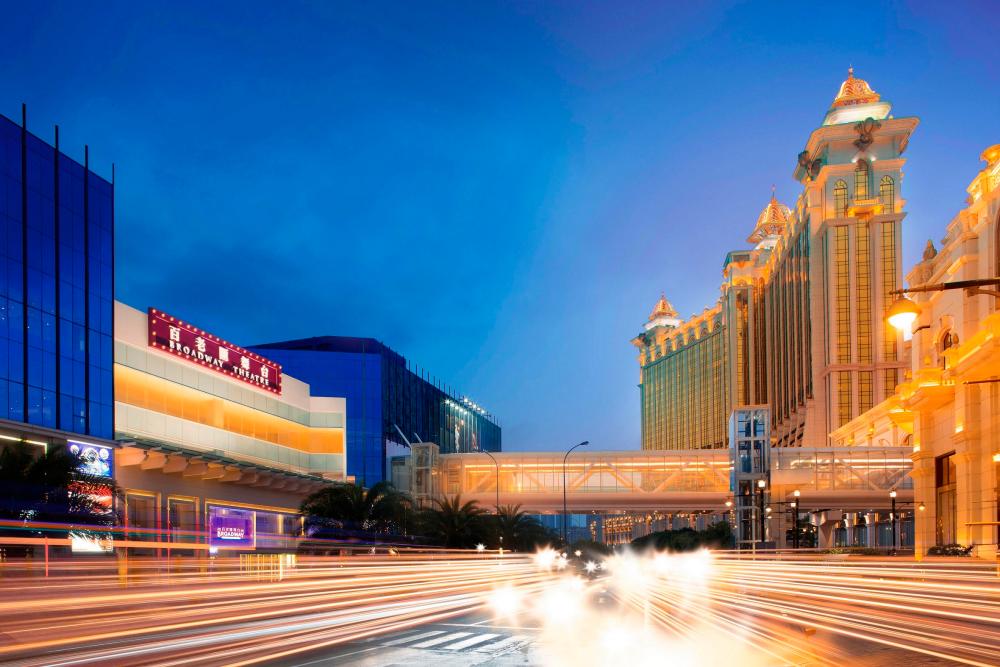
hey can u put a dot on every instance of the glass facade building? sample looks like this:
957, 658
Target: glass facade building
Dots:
56, 287
684, 394
384, 394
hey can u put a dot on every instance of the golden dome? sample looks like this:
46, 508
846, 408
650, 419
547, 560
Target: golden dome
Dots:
772, 221
991, 155
855, 91
662, 309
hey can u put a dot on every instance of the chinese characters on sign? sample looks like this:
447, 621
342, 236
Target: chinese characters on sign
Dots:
230, 527
181, 339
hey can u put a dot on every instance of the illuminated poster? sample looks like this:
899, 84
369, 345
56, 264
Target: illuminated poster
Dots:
94, 460
230, 527
181, 339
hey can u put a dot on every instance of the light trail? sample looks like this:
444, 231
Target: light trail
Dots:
229, 617
809, 609
700, 609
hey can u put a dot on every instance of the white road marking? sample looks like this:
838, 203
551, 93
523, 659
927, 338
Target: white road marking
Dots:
471, 641
441, 640
413, 638
510, 641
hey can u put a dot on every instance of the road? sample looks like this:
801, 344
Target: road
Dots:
474, 609
467, 641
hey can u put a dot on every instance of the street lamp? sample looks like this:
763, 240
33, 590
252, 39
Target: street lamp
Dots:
570, 451
892, 515
904, 312
497, 464
762, 484
795, 524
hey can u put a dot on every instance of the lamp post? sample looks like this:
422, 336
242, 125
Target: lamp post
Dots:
497, 464
892, 516
731, 519
795, 521
762, 484
568, 452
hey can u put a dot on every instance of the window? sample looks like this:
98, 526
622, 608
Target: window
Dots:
887, 194
949, 339
861, 173
840, 199
945, 476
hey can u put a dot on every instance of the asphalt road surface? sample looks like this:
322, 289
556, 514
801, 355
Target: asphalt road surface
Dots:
465, 641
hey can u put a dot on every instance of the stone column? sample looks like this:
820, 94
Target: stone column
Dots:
924, 533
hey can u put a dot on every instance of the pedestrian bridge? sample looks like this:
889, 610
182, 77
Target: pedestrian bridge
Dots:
851, 478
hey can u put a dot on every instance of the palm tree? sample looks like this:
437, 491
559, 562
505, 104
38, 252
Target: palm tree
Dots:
379, 509
454, 523
518, 530
48, 486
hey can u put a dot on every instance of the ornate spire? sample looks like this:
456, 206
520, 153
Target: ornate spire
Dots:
662, 308
854, 91
772, 221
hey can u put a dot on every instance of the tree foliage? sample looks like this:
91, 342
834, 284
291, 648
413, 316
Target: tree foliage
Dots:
382, 513
351, 509
47, 486
520, 531
452, 523
717, 535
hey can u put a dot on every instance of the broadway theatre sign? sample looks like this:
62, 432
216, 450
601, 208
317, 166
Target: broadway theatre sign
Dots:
183, 340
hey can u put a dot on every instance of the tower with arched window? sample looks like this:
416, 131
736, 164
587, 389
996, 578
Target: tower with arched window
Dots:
800, 325
850, 171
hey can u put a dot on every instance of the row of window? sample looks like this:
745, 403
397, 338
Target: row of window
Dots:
56, 280
862, 190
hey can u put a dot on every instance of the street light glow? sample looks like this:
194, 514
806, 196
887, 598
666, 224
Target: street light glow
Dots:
902, 314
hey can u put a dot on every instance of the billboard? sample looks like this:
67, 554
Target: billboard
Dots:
94, 460
181, 339
230, 527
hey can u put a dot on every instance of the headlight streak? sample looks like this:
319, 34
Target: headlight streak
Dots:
193, 617
949, 611
701, 608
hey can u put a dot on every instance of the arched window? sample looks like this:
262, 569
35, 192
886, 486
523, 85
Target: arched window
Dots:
840, 199
949, 339
861, 180
887, 194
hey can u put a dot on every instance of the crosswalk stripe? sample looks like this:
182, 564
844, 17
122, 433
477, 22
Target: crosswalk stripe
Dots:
413, 638
509, 641
441, 640
471, 641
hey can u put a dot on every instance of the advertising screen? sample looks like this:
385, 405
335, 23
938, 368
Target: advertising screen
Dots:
230, 527
95, 460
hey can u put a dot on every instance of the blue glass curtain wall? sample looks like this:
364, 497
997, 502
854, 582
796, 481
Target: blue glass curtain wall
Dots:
56, 288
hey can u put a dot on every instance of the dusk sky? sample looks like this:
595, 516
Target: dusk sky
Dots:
499, 192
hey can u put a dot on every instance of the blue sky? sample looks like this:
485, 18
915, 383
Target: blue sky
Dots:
497, 191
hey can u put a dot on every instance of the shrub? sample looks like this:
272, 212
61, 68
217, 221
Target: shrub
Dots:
950, 550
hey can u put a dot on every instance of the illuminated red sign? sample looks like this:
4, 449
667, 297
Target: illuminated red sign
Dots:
183, 340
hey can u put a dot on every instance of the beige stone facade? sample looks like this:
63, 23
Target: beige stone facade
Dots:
948, 409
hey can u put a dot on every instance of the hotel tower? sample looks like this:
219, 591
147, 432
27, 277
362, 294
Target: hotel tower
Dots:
798, 328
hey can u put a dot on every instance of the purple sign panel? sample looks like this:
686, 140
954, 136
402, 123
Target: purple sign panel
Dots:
230, 527
179, 338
